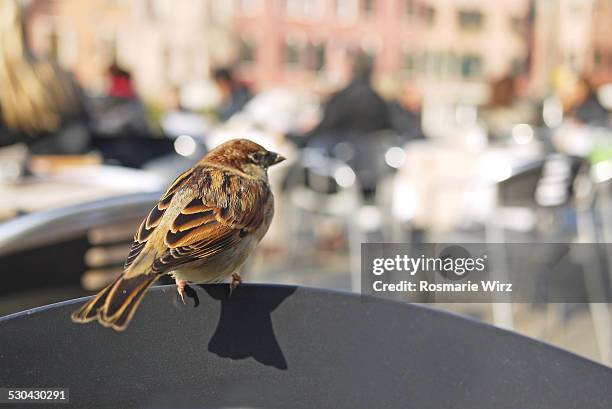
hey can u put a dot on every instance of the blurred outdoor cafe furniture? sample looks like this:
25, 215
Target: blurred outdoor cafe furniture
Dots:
339, 177
514, 193
64, 181
86, 245
452, 185
594, 224
317, 188
284, 346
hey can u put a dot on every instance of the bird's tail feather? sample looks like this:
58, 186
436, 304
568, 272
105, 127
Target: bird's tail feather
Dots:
115, 305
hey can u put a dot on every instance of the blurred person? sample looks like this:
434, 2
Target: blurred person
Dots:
357, 108
122, 133
120, 112
120, 83
405, 113
40, 104
581, 110
583, 105
234, 94
504, 109
350, 130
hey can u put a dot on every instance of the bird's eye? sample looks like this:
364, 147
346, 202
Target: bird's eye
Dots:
256, 157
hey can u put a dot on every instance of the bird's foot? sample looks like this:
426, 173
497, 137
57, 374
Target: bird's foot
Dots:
236, 279
180, 287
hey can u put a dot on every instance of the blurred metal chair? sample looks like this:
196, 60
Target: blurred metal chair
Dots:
528, 201
93, 237
547, 192
320, 186
594, 224
339, 175
368, 154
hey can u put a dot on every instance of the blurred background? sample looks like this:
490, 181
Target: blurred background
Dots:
403, 121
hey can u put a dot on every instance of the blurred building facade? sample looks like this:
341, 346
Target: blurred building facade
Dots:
601, 50
449, 47
81, 35
425, 41
164, 43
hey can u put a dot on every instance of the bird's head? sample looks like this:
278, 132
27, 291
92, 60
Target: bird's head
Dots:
244, 155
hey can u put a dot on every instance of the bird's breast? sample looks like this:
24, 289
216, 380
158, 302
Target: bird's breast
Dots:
218, 267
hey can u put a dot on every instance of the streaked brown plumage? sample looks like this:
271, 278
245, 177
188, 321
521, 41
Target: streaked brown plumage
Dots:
202, 230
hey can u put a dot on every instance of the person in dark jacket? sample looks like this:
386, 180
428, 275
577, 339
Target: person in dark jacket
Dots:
350, 128
405, 113
234, 94
356, 109
587, 109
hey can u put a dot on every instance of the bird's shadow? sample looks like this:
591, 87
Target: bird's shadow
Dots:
245, 324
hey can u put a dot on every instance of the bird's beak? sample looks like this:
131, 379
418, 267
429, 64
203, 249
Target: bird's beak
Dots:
274, 158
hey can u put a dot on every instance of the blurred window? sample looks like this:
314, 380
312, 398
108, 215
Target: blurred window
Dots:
453, 64
294, 8
424, 63
518, 66
428, 14
319, 57
470, 20
248, 6
347, 9
221, 10
247, 52
410, 63
314, 57
571, 62
597, 58
303, 8
410, 8
368, 7
431, 64
471, 66
151, 9
577, 7
517, 24
436, 64
292, 55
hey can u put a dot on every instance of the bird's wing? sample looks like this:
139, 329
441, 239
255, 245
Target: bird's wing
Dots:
226, 207
152, 220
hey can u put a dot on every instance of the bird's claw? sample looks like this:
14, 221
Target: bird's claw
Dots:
180, 287
236, 279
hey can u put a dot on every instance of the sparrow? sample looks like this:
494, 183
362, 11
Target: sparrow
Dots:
202, 230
